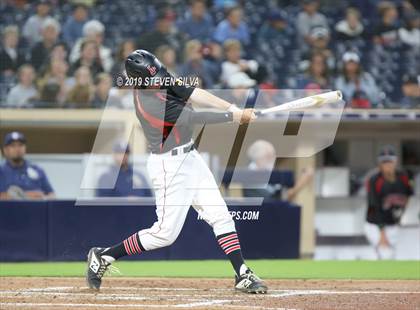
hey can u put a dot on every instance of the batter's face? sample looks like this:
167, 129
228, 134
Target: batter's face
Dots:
15, 151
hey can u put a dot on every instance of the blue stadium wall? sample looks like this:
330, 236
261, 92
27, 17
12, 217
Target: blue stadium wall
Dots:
61, 231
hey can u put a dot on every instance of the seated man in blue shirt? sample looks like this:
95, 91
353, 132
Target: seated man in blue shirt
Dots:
197, 23
20, 179
232, 27
129, 183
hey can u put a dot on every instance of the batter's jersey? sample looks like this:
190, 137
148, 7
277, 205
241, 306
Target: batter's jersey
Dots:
167, 119
387, 200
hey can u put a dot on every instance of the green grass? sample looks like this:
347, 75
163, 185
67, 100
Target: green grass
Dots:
268, 269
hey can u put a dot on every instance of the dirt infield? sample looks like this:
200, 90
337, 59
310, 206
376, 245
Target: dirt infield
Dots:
155, 293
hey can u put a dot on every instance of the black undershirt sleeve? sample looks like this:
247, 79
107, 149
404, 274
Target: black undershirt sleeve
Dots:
184, 115
181, 91
210, 117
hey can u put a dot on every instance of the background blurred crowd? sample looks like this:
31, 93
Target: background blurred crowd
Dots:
66, 54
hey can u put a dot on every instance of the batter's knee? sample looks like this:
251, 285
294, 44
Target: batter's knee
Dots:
223, 224
152, 239
167, 237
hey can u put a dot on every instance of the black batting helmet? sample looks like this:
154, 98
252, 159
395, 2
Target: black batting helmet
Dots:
142, 64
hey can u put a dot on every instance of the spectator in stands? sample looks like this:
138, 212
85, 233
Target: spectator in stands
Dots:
243, 90
274, 29
317, 75
60, 52
121, 180
167, 55
351, 27
126, 98
309, 18
49, 96
262, 156
125, 48
33, 27
104, 94
81, 94
213, 53
197, 22
22, 93
20, 179
56, 74
89, 57
320, 38
73, 27
41, 51
234, 63
358, 87
11, 58
224, 4
386, 32
388, 192
232, 27
94, 30
164, 33
411, 92
240, 82
410, 33
195, 65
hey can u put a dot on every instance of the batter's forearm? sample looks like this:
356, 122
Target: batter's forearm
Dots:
203, 98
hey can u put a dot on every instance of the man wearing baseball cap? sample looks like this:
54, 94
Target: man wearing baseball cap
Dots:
20, 179
388, 192
128, 183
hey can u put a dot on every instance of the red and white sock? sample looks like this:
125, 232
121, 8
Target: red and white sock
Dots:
129, 246
230, 245
132, 245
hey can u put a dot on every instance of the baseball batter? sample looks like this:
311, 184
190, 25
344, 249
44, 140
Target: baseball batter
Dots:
179, 175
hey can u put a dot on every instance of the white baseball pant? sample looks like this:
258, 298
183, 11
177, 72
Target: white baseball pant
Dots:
179, 182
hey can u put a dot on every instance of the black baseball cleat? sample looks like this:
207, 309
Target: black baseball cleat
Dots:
250, 283
96, 267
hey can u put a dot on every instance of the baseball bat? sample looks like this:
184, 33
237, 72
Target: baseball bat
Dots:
303, 103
